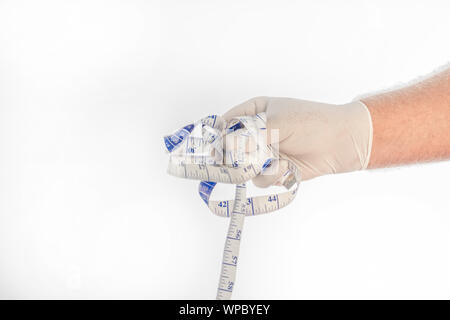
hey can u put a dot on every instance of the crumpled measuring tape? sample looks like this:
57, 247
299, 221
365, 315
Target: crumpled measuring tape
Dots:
196, 151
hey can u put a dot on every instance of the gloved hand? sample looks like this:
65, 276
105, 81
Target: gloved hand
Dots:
319, 138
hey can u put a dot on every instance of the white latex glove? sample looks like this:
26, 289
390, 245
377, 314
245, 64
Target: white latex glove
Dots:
319, 138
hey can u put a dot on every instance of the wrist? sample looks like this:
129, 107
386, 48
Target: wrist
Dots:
358, 124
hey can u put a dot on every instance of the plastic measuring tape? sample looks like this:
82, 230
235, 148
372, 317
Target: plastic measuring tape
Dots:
197, 152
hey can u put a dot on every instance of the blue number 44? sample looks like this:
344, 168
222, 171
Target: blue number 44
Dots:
272, 198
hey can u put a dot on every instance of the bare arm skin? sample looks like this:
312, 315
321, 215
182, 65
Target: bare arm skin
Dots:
411, 124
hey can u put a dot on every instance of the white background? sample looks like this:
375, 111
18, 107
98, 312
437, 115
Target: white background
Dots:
88, 89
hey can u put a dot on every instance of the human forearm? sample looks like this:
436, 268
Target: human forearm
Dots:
399, 127
411, 124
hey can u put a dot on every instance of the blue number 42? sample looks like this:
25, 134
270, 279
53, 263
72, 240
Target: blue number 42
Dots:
222, 204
